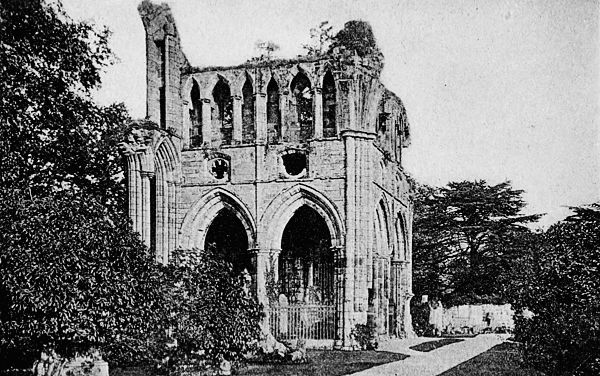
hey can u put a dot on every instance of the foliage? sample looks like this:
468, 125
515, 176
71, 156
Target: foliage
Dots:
356, 36
265, 50
365, 336
73, 277
209, 308
52, 135
321, 37
461, 239
420, 318
561, 285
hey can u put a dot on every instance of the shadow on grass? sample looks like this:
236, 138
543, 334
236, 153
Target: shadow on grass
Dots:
432, 345
325, 363
501, 360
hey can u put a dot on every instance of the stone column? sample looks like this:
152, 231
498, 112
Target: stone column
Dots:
348, 310
237, 119
260, 111
340, 300
261, 266
146, 205
173, 233
206, 122
166, 87
133, 189
283, 113
139, 202
318, 114
397, 296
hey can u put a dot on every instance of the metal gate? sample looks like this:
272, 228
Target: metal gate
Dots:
302, 321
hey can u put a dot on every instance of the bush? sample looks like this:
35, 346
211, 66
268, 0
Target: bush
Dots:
212, 316
366, 336
356, 36
73, 278
420, 318
562, 290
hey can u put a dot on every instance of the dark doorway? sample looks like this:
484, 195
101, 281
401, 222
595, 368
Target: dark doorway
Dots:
306, 262
227, 237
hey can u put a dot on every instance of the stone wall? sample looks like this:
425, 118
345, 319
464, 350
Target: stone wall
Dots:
352, 178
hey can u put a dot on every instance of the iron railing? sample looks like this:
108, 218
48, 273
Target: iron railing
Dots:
302, 321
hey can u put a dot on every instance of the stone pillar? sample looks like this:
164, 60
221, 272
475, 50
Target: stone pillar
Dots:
260, 111
284, 114
237, 119
173, 233
318, 113
340, 300
351, 214
146, 206
206, 121
164, 230
397, 296
262, 258
134, 190
166, 94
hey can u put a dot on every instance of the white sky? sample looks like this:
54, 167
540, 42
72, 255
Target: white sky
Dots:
495, 90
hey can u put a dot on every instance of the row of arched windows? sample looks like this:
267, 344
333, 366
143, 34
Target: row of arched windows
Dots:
299, 112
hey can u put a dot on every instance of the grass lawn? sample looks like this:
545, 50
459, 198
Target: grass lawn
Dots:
503, 360
325, 363
432, 345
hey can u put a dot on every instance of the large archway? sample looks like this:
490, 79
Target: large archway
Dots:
306, 261
227, 237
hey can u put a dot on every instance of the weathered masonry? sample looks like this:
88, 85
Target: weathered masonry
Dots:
291, 169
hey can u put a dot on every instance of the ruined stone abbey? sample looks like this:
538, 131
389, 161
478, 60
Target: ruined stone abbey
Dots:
291, 169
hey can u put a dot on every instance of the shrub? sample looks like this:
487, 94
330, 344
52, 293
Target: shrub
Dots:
212, 316
356, 36
72, 278
365, 336
562, 290
420, 318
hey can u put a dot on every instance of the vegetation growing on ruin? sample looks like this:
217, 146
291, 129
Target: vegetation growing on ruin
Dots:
356, 36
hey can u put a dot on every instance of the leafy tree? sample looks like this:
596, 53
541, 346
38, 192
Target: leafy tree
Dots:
210, 308
73, 277
321, 37
356, 36
462, 234
52, 135
559, 281
265, 50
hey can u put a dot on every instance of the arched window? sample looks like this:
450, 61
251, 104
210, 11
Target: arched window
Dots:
302, 99
329, 129
195, 117
248, 128
222, 116
273, 113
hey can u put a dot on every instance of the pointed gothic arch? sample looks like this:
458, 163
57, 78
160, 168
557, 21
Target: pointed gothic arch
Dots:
273, 112
164, 199
283, 207
301, 108
222, 112
195, 115
329, 105
248, 111
203, 212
